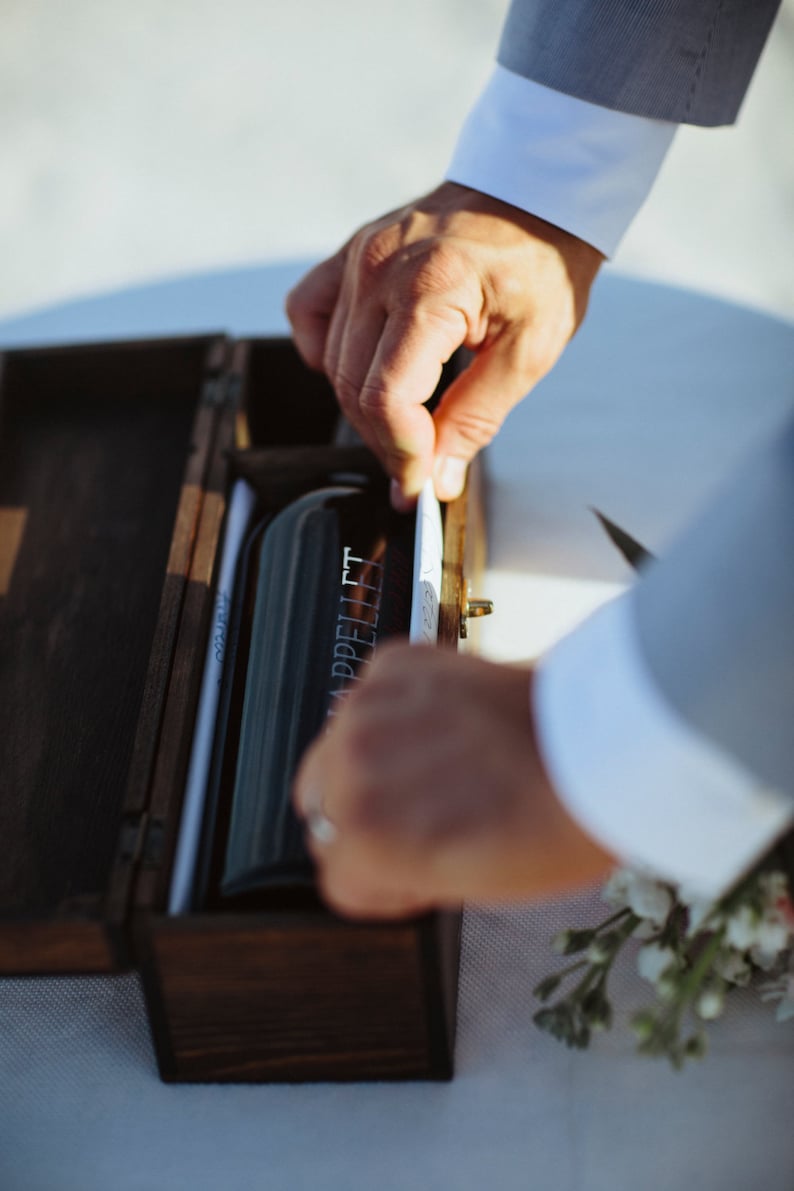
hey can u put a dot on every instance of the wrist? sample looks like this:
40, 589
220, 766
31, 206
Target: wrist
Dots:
492, 216
585, 168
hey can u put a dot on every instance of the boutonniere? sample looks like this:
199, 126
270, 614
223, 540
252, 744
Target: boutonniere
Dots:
692, 953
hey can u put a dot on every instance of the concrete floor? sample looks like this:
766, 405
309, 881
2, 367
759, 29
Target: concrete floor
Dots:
147, 140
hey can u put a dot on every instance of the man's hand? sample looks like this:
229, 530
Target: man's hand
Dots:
432, 791
383, 315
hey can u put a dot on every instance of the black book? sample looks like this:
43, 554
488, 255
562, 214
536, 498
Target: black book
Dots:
333, 580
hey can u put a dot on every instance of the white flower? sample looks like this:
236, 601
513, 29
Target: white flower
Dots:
649, 899
764, 960
598, 952
653, 960
710, 1003
741, 928
781, 989
645, 897
767, 933
773, 934
614, 891
733, 967
774, 886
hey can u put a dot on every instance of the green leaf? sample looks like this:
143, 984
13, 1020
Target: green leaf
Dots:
546, 987
570, 942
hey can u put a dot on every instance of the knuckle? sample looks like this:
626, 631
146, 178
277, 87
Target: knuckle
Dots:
347, 391
438, 269
330, 358
375, 401
477, 427
374, 249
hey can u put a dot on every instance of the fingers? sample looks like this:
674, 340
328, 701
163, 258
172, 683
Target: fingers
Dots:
383, 366
477, 402
404, 371
433, 780
389, 778
384, 315
381, 324
310, 306
352, 340
352, 875
385, 347
355, 888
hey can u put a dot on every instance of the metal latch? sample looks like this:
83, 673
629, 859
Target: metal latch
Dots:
470, 608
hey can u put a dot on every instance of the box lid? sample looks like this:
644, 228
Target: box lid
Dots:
108, 458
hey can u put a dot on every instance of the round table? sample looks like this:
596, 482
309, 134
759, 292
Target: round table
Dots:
654, 402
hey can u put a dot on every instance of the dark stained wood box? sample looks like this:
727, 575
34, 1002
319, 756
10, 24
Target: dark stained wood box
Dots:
114, 468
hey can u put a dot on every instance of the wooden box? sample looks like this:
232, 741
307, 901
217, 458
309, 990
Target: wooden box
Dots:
114, 469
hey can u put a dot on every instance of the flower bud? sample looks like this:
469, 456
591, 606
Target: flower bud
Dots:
599, 952
546, 987
653, 960
710, 1003
695, 1047
643, 1024
568, 942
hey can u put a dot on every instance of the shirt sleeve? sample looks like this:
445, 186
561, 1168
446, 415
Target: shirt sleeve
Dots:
584, 168
635, 775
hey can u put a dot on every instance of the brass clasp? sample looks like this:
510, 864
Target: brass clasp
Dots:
472, 608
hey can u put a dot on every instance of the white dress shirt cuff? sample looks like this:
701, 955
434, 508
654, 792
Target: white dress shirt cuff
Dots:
582, 167
635, 775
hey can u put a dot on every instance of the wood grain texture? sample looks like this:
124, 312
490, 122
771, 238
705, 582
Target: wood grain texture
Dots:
47, 947
164, 798
93, 445
180, 556
452, 573
306, 997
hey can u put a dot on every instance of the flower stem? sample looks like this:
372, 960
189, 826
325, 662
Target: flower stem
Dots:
694, 978
616, 917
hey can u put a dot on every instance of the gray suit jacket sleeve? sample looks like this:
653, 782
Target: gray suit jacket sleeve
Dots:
688, 61
715, 618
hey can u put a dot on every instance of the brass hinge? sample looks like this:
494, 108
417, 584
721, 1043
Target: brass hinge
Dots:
471, 608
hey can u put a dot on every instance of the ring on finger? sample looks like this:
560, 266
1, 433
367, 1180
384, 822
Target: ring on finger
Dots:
322, 829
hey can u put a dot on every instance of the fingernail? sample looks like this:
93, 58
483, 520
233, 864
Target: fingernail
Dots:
401, 502
449, 477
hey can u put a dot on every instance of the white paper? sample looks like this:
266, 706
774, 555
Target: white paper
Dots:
238, 516
428, 555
